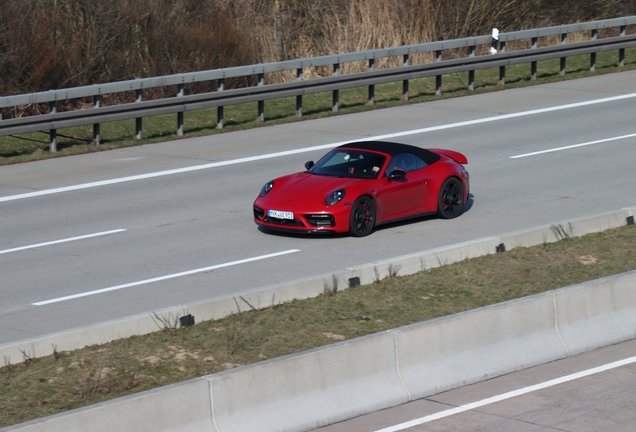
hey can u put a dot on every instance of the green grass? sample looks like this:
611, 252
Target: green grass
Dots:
77, 140
68, 380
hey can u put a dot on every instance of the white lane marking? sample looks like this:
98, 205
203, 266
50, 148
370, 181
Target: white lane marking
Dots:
129, 159
162, 278
61, 241
309, 149
509, 395
574, 146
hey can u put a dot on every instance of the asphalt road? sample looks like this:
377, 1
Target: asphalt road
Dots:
170, 224
570, 395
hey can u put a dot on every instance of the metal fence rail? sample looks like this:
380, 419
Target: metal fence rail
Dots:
261, 92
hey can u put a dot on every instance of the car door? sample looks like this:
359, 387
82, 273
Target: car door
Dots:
404, 197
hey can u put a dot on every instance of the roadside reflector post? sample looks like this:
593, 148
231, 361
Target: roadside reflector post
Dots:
180, 93
52, 132
138, 121
495, 41
261, 104
96, 138
219, 110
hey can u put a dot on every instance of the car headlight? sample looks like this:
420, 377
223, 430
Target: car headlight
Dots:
335, 197
266, 188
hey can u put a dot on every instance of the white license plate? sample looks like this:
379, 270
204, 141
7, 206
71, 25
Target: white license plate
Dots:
280, 214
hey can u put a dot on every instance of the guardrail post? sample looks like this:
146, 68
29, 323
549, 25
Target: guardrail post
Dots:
438, 78
502, 69
335, 95
564, 40
533, 65
180, 93
52, 132
219, 110
138, 121
471, 73
261, 104
371, 87
621, 52
299, 98
405, 83
593, 55
96, 138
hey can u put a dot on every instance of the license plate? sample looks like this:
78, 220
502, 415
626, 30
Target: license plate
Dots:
280, 214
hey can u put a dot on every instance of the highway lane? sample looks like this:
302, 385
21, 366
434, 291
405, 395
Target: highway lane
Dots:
201, 218
573, 394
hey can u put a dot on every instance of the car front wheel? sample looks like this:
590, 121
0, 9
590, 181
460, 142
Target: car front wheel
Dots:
451, 199
362, 217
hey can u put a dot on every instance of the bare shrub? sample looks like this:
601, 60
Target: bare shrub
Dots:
53, 44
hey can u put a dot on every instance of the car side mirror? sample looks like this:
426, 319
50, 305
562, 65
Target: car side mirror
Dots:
309, 164
397, 174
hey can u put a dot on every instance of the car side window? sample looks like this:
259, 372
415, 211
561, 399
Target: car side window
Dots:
407, 162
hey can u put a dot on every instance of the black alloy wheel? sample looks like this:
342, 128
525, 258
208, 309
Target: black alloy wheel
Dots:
362, 219
451, 199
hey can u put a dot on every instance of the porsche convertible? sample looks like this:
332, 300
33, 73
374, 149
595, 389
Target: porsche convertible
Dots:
358, 186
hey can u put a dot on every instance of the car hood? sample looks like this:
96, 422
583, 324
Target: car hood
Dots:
303, 189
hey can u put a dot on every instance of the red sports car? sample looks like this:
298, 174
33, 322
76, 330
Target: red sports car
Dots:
360, 185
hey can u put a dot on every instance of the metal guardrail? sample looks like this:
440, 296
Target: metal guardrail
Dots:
260, 93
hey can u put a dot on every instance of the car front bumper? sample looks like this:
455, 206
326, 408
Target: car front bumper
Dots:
334, 221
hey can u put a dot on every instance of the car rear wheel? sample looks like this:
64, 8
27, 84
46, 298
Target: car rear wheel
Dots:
362, 217
451, 199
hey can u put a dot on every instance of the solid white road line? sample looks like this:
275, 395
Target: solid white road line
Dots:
314, 148
574, 146
61, 241
509, 395
162, 278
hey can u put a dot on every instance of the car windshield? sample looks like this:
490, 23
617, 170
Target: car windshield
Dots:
349, 163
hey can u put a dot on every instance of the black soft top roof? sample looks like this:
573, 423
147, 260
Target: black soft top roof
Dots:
394, 148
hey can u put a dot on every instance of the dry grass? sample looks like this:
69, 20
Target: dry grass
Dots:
60, 382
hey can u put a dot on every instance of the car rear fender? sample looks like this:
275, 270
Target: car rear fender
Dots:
456, 156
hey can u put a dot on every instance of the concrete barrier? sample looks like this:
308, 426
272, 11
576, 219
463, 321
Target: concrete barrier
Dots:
445, 353
311, 389
304, 391
597, 313
179, 407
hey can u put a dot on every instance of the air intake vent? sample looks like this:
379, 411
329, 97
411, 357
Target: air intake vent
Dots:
258, 213
320, 220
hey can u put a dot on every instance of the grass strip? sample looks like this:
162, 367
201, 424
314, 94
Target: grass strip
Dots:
78, 140
66, 380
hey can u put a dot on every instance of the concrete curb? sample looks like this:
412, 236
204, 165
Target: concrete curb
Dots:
310, 287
